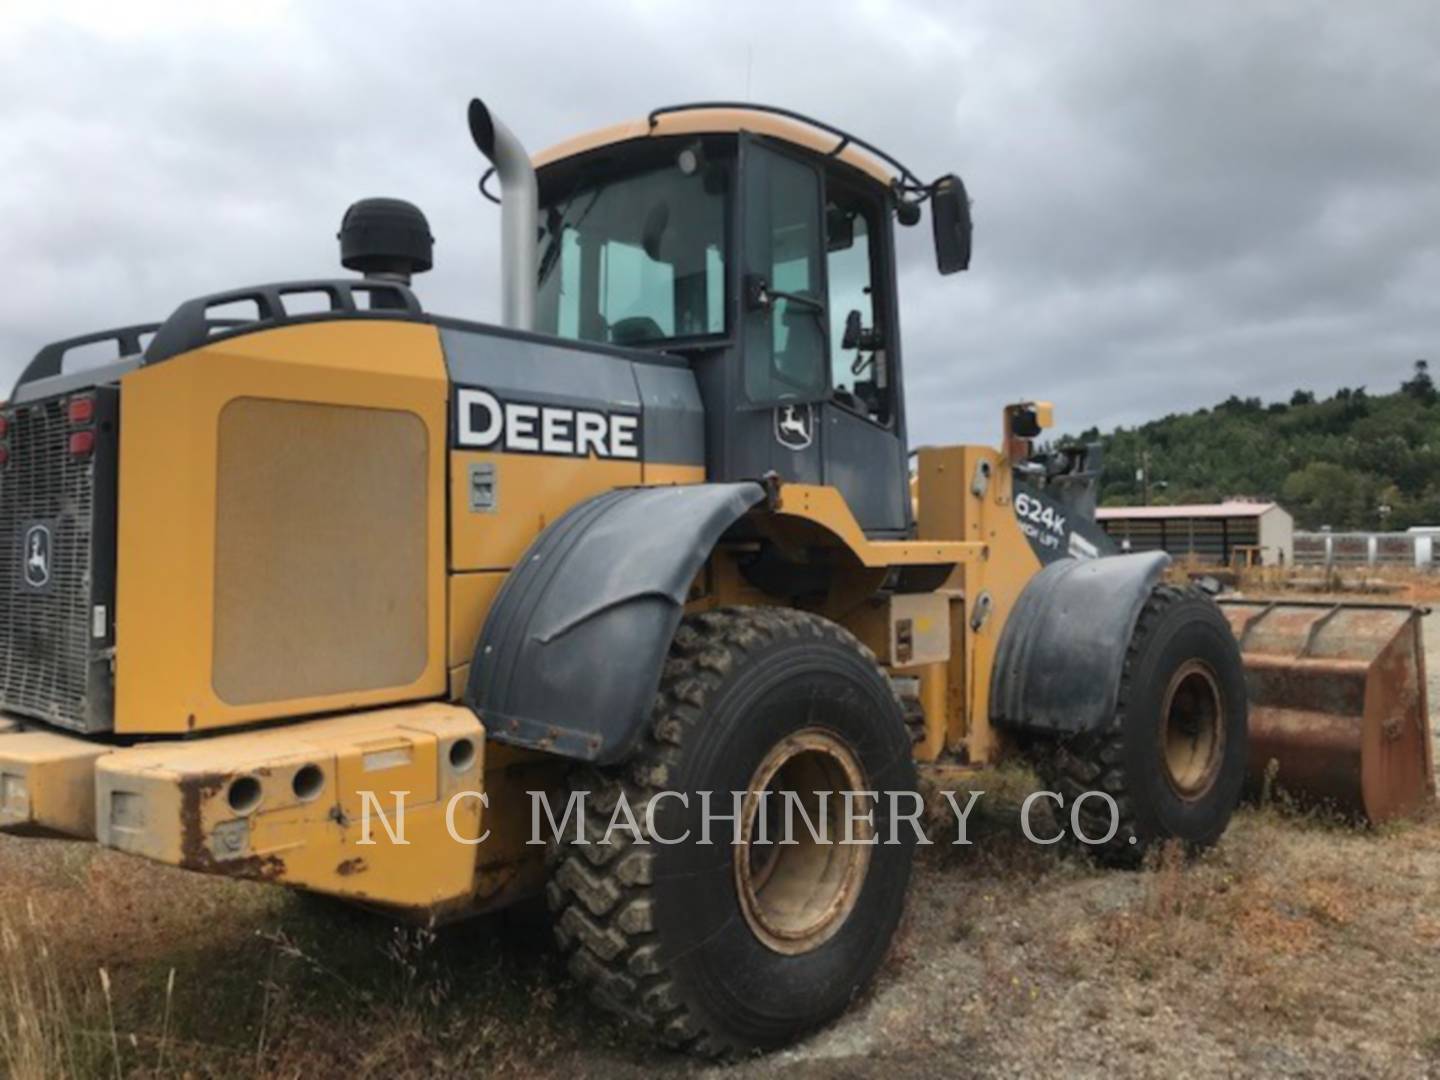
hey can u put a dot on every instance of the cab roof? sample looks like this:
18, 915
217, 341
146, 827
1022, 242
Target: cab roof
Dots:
723, 117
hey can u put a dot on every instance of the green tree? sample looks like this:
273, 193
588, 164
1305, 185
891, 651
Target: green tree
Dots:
1324, 493
1420, 386
1332, 462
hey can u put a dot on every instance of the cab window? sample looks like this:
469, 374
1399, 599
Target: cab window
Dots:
785, 350
633, 260
859, 366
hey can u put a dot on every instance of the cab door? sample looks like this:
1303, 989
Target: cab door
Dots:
818, 398
782, 378
863, 416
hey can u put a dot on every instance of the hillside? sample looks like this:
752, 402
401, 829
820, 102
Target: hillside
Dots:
1354, 460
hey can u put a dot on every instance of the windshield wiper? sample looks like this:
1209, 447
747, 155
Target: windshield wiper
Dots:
555, 230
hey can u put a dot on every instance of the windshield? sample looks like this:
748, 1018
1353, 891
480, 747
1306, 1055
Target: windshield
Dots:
635, 259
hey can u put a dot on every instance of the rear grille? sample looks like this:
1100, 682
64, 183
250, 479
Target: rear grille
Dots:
52, 666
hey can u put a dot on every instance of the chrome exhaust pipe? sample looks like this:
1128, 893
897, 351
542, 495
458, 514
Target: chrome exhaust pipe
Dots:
519, 215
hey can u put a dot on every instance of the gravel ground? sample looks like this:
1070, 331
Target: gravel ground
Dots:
1004, 976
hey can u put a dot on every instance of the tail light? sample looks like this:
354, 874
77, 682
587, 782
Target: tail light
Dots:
82, 410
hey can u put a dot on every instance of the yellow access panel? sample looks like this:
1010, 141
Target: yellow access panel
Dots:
281, 546
530, 492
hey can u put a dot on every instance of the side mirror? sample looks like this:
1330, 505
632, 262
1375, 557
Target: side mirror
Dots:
950, 216
1025, 424
1027, 419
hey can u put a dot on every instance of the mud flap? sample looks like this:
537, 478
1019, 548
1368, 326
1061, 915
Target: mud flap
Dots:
1062, 650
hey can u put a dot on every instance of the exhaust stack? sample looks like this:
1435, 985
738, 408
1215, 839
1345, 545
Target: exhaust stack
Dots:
519, 210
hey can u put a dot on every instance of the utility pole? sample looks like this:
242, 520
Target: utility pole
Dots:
1142, 477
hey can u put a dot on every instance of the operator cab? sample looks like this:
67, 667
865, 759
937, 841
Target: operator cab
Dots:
759, 245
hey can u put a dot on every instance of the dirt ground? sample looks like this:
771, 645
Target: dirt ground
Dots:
1299, 946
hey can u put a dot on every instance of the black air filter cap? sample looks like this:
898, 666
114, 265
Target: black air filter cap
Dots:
386, 236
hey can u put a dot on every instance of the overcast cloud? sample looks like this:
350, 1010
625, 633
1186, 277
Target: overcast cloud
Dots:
1173, 203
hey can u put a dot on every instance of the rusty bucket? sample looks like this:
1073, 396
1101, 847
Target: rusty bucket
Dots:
1338, 707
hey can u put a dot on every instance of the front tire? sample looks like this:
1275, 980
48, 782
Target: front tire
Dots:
724, 948
1173, 758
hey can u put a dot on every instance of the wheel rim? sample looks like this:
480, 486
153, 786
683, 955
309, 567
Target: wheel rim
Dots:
796, 897
1192, 729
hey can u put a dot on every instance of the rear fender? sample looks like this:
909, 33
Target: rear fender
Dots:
1062, 651
570, 657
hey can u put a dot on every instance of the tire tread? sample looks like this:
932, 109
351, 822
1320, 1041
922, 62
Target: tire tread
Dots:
600, 895
1095, 762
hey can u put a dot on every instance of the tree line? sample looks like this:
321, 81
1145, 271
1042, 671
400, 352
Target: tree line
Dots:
1354, 460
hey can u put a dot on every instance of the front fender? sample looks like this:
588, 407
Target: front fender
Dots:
570, 657
1062, 651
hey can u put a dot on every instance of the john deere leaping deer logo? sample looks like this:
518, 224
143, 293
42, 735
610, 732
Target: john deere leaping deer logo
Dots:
795, 426
37, 556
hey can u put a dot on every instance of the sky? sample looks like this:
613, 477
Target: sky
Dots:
1173, 203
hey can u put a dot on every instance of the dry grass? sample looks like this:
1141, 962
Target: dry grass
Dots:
1300, 944
1388, 583
114, 967
38, 1027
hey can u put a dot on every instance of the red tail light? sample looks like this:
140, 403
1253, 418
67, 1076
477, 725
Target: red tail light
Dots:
82, 410
82, 444
4, 425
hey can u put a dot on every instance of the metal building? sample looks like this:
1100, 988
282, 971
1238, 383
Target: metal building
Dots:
1221, 534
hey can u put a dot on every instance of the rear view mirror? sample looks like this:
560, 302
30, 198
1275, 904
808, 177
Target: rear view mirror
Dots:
950, 216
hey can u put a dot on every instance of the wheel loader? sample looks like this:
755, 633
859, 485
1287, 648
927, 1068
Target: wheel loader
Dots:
306, 559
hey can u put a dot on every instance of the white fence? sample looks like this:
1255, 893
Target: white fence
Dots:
1342, 549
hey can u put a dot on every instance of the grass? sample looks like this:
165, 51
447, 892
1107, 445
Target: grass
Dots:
120, 968
1300, 936
1430, 1046
40, 1032
1386, 583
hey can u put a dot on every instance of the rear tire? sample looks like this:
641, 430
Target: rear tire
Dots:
722, 949
1173, 758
